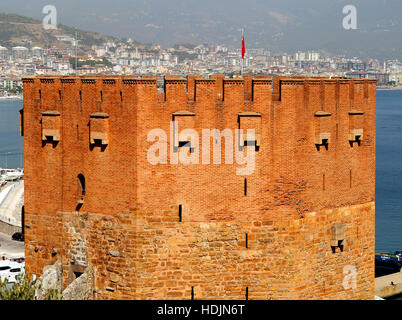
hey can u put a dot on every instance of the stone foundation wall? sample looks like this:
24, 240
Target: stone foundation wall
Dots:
79, 289
138, 255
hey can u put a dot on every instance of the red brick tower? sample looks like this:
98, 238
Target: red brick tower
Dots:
292, 229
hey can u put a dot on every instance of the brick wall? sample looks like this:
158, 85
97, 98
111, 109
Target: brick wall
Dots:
297, 192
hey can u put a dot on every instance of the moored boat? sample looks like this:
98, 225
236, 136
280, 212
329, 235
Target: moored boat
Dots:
387, 263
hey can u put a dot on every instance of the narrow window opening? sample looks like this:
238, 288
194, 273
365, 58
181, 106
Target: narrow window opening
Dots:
80, 95
246, 240
180, 213
23, 219
192, 293
59, 94
22, 122
121, 96
245, 187
81, 185
40, 94
350, 179
323, 182
101, 93
246, 293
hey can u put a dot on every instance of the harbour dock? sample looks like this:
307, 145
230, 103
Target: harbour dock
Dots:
389, 285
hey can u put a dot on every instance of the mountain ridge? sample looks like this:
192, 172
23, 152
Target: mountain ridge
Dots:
18, 30
279, 26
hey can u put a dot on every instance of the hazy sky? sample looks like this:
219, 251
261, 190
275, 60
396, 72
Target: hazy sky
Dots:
118, 16
282, 24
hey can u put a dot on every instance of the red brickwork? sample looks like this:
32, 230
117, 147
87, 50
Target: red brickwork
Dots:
126, 225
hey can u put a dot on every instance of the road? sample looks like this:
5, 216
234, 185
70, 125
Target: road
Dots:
10, 248
10, 207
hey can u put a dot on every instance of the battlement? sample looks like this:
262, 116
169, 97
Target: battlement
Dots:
194, 87
328, 107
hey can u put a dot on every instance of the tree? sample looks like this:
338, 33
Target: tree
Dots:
24, 289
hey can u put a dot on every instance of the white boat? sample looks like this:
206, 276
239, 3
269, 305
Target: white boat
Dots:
13, 174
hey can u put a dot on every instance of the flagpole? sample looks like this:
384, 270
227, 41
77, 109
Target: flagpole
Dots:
242, 59
76, 53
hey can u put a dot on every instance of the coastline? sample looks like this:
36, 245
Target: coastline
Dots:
11, 98
385, 88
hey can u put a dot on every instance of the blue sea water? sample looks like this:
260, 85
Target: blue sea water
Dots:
388, 170
11, 143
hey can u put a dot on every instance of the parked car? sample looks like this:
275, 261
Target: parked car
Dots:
10, 269
4, 269
18, 236
16, 269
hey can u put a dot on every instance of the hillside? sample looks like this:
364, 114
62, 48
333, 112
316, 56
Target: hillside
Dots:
16, 30
280, 26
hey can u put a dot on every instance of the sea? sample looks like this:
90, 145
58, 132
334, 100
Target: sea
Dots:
11, 143
389, 171
388, 162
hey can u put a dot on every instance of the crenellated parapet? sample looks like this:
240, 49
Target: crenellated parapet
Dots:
193, 88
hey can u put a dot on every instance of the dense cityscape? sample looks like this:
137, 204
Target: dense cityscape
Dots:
128, 57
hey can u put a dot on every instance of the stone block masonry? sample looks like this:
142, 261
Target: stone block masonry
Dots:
287, 231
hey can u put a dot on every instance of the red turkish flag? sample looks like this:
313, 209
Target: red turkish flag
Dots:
243, 49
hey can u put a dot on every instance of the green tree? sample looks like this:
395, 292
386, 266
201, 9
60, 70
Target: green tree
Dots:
24, 289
